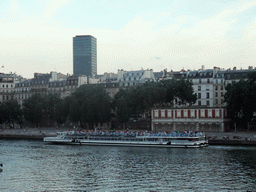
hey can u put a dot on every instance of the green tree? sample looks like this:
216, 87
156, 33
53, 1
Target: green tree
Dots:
170, 90
90, 104
241, 100
51, 103
11, 112
184, 91
61, 110
121, 104
140, 99
33, 108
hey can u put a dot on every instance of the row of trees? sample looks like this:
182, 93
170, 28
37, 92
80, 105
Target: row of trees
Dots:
241, 100
140, 99
10, 113
91, 104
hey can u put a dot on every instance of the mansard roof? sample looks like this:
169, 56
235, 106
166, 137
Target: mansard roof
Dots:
233, 74
158, 75
201, 74
26, 83
134, 73
57, 83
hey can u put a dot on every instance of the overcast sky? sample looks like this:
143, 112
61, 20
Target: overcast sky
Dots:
36, 36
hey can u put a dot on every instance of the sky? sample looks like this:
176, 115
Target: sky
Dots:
37, 35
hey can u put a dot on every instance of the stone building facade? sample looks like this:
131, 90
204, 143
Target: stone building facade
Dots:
7, 86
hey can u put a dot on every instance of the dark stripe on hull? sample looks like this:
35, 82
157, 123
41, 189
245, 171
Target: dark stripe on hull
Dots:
129, 145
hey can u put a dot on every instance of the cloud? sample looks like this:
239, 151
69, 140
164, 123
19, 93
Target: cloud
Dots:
183, 40
53, 6
203, 42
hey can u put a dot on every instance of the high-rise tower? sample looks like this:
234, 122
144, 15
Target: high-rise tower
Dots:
84, 55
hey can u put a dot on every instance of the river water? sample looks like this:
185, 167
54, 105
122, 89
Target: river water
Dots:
37, 166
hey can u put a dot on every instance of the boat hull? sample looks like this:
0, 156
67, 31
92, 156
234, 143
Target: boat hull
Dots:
127, 144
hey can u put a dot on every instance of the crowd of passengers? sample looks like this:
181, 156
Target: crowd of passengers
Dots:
138, 133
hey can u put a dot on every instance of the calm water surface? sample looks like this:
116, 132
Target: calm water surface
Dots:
37, 166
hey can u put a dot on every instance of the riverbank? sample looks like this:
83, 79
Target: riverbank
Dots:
214, 138
29, 133
232, 138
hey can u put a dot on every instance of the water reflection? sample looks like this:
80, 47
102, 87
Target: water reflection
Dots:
35, 166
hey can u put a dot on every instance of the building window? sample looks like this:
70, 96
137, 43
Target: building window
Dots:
199, 96
156, 113
221, 88
199, 103
200, 80
185, 113
209, 113
199, 88
216, 101
222, 101
207, 103
202, 112
192, 113
217, 112
169, 113
216, 94
216, 87
207, 95
222, 94
163, 113
178, 113
208, 80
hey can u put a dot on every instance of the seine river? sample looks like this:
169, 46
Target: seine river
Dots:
37, 166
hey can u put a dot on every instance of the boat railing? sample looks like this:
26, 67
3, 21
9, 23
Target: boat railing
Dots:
132, 134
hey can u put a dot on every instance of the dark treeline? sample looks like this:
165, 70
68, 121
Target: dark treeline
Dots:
241, 100
91, 104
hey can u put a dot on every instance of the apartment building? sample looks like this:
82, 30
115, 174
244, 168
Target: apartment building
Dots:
40, 84
134, 78
7, 86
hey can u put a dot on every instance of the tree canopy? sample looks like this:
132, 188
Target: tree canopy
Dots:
90, 104
10, 112
139, 99
241, 99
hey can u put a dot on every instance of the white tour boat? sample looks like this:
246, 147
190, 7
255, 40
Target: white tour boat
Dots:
138, 139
